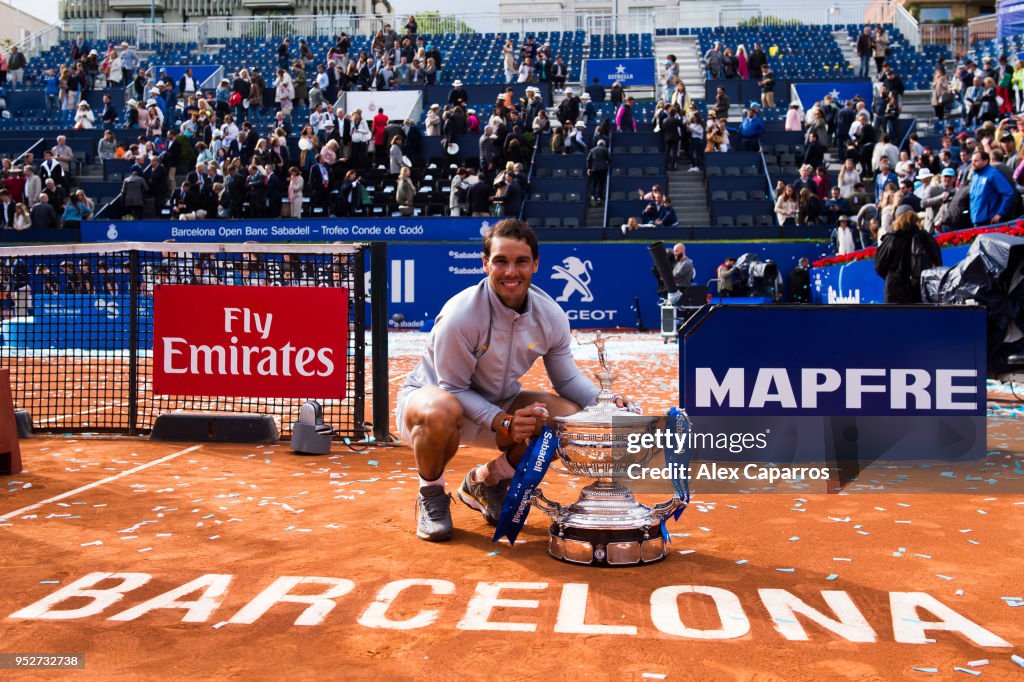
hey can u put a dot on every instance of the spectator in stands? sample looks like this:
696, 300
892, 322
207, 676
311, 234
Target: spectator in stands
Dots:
767, 84
596, 90
683, 270
43, 216
863, 143
786, 206
671, 134
713, 62
880, 47
617, 95
22, 218
809, 207
432, 125
751, 129
576, 142
884, 177
7, 205
730, 66
817, 128
284, 92
79, 208
458, 191
864, 46
107, 147
559, 73
405, 193
129, 63
903, 255
598, 163
695, 127
65, 155
541, 123
907, 196
884, 150
742, 63
942, 96
624, 120
666, 215
793, 121
721, 105
33, 185
972, 101
843, 238
991, 194
836, 206
508, 55
669, 76
395, 162
526, 71
937, 196
156, 177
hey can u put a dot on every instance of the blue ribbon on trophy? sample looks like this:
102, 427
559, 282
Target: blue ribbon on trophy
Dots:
528, 476
678, 462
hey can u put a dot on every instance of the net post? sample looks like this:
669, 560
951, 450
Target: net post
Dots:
358, 386
379, 339
133, 342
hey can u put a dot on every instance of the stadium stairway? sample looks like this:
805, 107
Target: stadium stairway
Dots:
686, 50
595, 215
689, 196
849, 50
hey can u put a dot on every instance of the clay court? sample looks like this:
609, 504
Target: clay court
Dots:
875, 568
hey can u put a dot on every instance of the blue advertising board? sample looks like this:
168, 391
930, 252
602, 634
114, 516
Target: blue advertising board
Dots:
858, 282
200, 72
597, 284
809, 93
627, 72
288, 230
817, 382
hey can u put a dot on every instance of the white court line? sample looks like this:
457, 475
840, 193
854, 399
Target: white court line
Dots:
95, 484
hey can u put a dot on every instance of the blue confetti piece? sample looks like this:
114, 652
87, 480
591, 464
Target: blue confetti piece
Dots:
832, 576
1017, 659
968, 671
493, 553
785, 570
741, 561
372, 462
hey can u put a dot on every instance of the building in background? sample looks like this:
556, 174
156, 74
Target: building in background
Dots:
16, 24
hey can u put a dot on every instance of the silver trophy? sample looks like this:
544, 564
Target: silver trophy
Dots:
606, 525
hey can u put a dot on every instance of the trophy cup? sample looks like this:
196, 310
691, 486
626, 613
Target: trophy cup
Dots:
606, 526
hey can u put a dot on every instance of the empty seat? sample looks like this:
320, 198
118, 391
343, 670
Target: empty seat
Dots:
765, 220
556, 196
720, 196
570, 222
732, 171
617, 196
538, 196
634, 172
713, 171
533, 222
724, 221
552, 222
572, 197
744, 220
737, 195
651, 170
575, 172
543, 172
750, 170
558, 173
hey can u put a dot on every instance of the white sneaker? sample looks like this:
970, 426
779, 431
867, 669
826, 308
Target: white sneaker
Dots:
693, 169
624, 228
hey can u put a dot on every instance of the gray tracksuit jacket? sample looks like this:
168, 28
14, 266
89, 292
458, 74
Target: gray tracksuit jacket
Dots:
479, 349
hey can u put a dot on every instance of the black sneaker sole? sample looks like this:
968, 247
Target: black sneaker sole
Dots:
472, 503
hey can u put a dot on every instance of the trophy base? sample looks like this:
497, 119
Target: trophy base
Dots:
606, 547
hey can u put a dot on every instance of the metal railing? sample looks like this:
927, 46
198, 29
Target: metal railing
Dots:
956, 38
102, 212
907, 24
981, 28
30, 150
515, 18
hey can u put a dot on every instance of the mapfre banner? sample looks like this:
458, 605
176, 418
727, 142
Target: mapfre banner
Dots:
266, 342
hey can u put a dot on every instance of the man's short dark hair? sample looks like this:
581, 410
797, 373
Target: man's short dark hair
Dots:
512, 229
984, 154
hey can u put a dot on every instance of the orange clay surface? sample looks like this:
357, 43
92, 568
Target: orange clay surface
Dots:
246, 516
